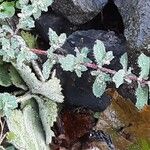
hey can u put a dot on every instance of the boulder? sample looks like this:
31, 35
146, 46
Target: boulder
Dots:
136, 15
78, 11
56, 22
78, 91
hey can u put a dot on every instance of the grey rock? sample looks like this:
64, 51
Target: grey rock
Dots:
78, 11
136, 17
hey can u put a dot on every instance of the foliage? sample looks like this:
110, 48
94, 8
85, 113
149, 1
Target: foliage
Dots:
31, 123
26, 129
7, 103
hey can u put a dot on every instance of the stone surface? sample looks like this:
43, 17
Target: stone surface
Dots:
78, 11
136, 17
50, 20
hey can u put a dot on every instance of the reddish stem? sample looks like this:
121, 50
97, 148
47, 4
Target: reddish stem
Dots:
95, 66
39, 51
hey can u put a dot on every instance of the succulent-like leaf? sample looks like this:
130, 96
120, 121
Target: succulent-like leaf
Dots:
118, 77
27, 129
7, 103
142, 96
144, 64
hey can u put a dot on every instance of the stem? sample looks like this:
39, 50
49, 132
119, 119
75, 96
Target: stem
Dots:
39, 51
96, 67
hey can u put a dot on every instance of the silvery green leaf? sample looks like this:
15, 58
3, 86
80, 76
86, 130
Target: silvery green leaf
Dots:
7, 10
144, 64
99, 85
8, 102
4, 76
27, 129
53, 37
79, 69
50, 89
47, 66
25, 55
142, 96
84, 51
109, 57
26, 23
124, 61
99, 52
118, 77
16, 79
95, 73
61, 39
68, 62
48, 115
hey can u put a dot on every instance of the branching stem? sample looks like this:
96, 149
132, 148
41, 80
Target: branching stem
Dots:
96, 67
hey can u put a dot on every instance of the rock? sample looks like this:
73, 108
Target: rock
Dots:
136, 15
50, 20
78, 91
112, 42
78, 11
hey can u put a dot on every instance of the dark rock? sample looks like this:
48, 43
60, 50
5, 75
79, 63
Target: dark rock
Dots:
50, 20
136, 15
112, 42
78, 91
78, 11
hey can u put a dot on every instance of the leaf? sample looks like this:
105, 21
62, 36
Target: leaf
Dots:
47, 66
10, 148
25, 56
62, 38
124, 61
27, 128
7, 10
144, 64
30, 39
118, 77
142, 96
53, 37
109, 57
99, 52
8, 102
16, 79
68, 62
99, 85
48, 114
4, 76
50, 89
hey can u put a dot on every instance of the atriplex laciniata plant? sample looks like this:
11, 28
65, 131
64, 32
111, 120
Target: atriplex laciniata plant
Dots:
40, 91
